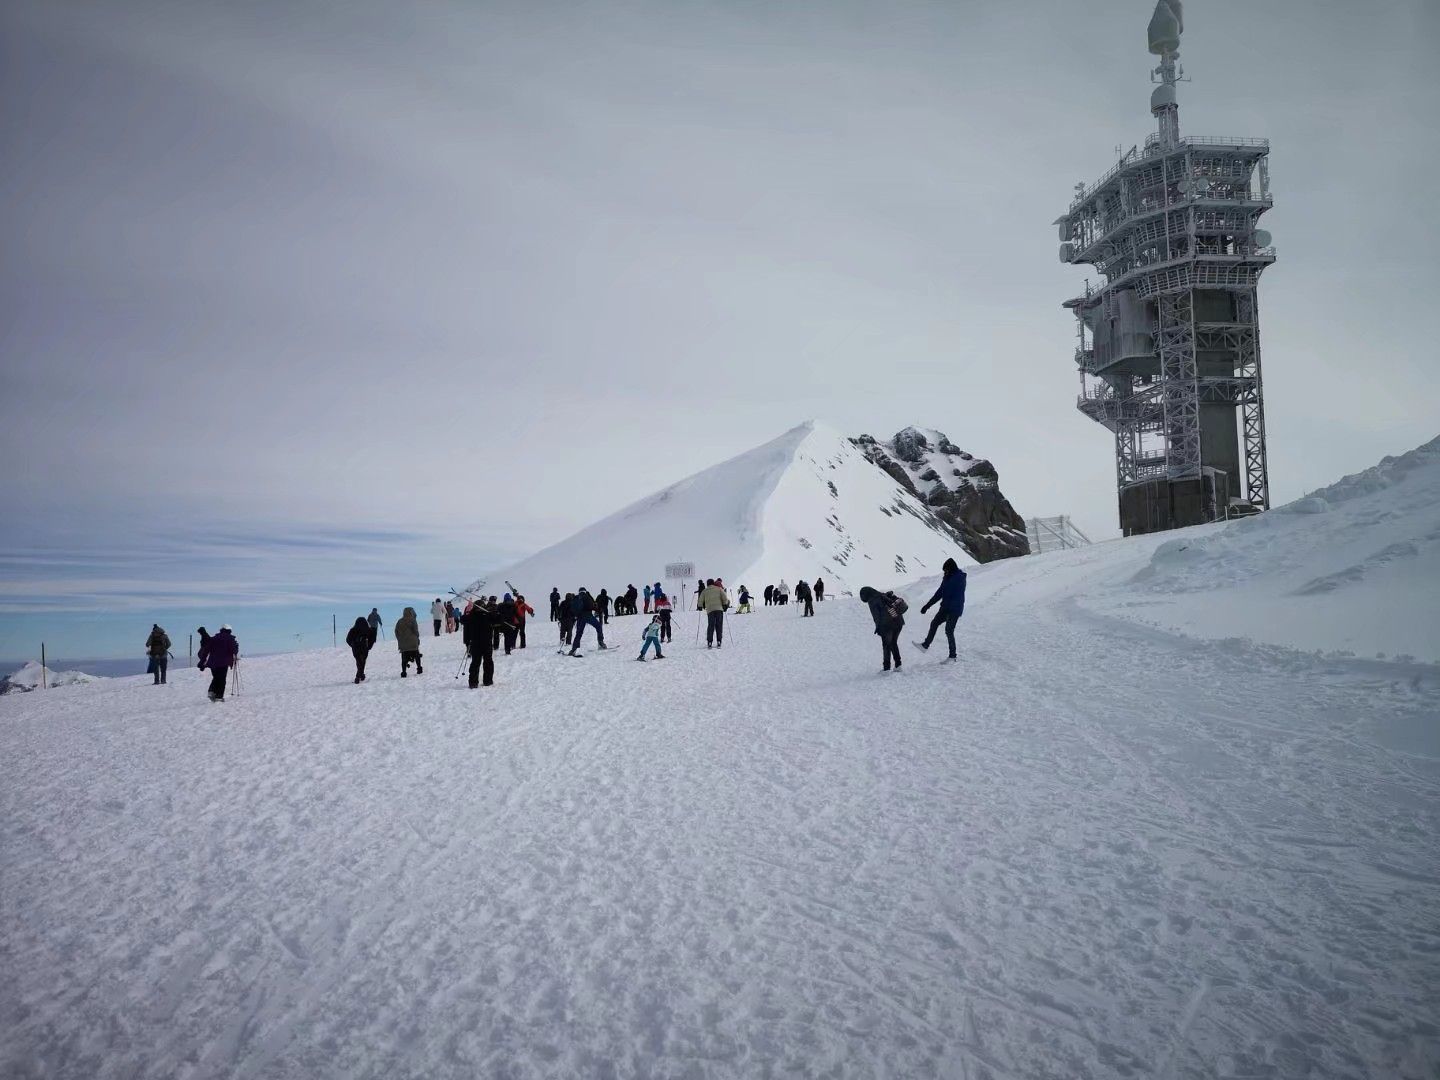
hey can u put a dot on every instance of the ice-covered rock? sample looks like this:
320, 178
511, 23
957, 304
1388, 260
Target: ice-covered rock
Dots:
29, 677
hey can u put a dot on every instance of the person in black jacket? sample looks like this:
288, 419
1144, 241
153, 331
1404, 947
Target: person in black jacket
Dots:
804, 596
567, 618
584, 608
951, 598
479, 627
361, 640
505, 616
888, 611
554, 603
602, 606
820, 589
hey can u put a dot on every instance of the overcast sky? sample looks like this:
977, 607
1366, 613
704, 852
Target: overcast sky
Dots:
302, 301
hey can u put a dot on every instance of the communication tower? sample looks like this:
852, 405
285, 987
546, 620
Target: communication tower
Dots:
1169, 343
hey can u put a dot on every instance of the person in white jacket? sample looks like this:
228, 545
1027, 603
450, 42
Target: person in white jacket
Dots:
784, 591
437, 614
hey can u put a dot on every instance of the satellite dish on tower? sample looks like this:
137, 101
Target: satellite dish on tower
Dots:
1166, 26
1260, 238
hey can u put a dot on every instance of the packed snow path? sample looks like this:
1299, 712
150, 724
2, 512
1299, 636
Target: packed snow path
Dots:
1082, 851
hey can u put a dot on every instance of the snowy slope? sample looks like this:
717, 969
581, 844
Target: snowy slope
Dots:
1354, 567
28, 678
805, 505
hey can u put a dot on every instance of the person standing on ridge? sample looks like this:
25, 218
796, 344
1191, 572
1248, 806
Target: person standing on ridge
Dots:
439, 613
888, 611
820, 589
585, 616
204, 650
803, 596
375, 623
407, 640
478, 624
714, 603
219, 653
361, 640
554, 603
951, 597
157, 647
769, 595
647, 599
602, 606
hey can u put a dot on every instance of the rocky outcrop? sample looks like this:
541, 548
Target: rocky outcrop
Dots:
962, 490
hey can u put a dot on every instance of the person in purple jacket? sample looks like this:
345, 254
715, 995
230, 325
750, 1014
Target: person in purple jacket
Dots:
220, 657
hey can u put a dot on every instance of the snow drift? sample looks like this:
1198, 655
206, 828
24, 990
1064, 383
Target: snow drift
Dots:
808, 504
28, 678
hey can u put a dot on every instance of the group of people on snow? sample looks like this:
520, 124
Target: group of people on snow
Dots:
494, 622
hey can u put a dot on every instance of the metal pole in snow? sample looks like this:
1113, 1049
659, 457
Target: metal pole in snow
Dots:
334, 641
191, 646
44, 685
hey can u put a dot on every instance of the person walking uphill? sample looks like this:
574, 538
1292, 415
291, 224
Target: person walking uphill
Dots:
888, 611
714, 603
361, 640
375, 623
951, 598
663, 611
647, 599
478, 623
219, 653
522, 609
407, 640
157, 647
438, 615
804, 596
554, 603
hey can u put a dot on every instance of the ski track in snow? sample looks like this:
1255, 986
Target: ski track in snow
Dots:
769, 860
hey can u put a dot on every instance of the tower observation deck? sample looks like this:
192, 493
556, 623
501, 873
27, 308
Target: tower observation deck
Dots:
1169, 344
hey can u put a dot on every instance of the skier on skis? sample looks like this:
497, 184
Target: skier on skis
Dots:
407, 640
219, 653
888, 611
361, 640
951, 598
479, 625
584, 607
714, 603
439, 612
652, 637
157, 647
744, 606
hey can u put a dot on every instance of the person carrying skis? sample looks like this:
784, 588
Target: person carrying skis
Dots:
951, 598
803, 596
652, 637
522, 609
714, 603
219, 653
647, 599
479, 626
554, 603
407, 640
361, 640
157, 647
375, 623
439, 612
508, 613
820, 589
584, 607
888, 611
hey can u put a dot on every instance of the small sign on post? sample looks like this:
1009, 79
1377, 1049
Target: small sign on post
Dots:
681, 572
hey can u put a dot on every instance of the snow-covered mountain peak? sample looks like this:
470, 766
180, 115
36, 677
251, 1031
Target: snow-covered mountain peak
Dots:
29, 677
807, 504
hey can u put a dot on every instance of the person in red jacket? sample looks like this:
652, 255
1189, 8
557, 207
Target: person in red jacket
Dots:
522, 609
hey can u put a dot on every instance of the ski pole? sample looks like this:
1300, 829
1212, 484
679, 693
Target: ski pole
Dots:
463, 658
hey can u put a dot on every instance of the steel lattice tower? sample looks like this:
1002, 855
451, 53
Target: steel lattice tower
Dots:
1169, 345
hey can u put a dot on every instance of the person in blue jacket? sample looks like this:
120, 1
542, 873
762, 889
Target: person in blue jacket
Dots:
951, 598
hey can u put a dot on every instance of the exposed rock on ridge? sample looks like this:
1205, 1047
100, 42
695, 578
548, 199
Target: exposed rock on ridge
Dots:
962, 490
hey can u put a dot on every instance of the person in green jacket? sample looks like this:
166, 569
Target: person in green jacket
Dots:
407, 640
714, 603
